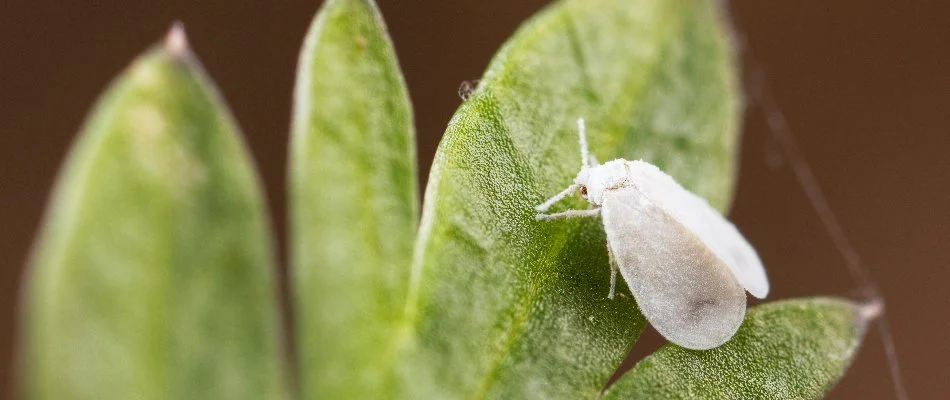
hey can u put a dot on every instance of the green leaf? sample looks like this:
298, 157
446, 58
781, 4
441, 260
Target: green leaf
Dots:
502, 305
354, 203
794, 349
154, 274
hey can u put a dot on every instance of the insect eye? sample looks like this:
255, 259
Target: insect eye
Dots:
583, 190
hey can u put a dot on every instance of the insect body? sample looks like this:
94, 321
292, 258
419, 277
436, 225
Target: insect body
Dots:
686, 265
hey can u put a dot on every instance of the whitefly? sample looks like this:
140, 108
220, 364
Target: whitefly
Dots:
686, 265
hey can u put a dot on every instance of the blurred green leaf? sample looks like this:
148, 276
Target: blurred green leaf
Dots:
354, 203
154, 275
794, 349
503, 306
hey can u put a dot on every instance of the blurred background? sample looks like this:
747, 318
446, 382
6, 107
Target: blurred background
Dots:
864, 85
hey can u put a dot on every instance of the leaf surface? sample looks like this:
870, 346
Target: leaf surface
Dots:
502, 305
353, 202
154, 274
792, 349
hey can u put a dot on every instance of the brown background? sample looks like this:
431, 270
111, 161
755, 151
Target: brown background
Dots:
864, 84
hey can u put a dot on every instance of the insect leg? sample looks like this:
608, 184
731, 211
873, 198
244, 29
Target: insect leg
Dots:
556, 198
613, 272
570, 214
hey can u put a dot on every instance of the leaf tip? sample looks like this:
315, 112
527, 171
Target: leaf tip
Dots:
176, 41
870, 310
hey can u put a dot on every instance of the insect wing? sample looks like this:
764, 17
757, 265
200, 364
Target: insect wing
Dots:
684, 289
696, 215
739, 255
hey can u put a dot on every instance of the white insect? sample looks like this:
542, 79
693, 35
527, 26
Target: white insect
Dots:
686, 265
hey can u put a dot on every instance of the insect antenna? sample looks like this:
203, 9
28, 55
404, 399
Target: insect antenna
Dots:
582, 138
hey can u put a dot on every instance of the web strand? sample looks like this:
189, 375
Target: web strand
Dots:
781, 133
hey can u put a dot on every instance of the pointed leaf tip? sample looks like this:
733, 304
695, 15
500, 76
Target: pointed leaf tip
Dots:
870, 310
176, 41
